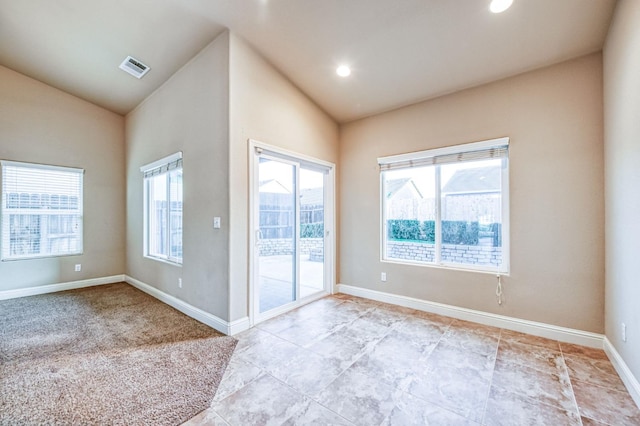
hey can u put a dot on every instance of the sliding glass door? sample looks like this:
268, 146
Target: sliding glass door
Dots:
292, 225
277, 210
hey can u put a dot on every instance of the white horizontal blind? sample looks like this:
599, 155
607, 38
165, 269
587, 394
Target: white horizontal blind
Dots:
165, 168
163, 165
42, 208
496, 148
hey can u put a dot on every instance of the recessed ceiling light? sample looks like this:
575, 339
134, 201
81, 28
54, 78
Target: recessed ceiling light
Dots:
343, 71
499, 6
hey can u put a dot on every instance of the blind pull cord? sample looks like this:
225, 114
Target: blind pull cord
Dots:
499, 290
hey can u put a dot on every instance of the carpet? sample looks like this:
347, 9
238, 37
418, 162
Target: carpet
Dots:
105, 355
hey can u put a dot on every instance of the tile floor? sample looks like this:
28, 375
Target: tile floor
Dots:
349, 361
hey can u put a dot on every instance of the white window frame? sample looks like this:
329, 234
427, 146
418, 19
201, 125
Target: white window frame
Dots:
449, 155
6, 210
162, 166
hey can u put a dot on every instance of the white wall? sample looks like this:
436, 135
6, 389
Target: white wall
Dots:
189, 113
264, 106
622, 181
41, 124
554, 119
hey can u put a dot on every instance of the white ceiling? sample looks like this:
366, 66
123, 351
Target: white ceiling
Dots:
401, 51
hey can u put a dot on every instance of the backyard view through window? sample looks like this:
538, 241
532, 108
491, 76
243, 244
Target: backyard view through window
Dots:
447, 207
41, 211
291, 219
163, 212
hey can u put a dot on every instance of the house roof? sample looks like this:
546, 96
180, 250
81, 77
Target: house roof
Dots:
393, 186
477, 179
273, 186
312, 196
308, 196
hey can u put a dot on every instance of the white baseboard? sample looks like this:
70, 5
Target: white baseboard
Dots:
239, 325
52, 288
630, 381
190, 310
548, 331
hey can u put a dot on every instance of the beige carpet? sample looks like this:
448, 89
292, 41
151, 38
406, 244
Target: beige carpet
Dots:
105, 355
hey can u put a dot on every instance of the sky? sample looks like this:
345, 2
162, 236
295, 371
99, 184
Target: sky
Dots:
283, 173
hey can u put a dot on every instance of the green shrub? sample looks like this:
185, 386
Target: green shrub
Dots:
496, 229
312, 230
429, 231
403, 229
453, 232
411, 230
460, 232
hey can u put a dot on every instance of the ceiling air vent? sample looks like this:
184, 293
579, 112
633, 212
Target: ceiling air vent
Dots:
134, 67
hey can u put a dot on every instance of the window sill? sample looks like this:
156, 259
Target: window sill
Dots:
449, 267
161, 260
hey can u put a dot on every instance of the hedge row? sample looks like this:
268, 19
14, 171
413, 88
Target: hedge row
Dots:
312, 230
453, 231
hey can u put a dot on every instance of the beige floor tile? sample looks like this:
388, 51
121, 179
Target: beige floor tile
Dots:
541, 386
606, 405
508, 409
265, 401
461, 390
360, 399
413, 411
596, 371
569, 349
538, 357
514, 336
206, 418
314, 414
345, 360
237, 375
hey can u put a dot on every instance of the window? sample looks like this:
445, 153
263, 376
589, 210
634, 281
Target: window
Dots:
163, 209
41, 211
448, 206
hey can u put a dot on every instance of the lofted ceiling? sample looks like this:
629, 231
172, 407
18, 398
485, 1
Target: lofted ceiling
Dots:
400, 51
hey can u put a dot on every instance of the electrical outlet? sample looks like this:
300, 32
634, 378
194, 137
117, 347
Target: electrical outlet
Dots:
78, 267
383, 276
624, 332
216, 223
180, 282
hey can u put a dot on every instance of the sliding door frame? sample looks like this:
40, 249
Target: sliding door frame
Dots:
256, 147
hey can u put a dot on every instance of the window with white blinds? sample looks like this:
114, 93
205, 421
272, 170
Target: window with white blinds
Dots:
41, 211
163, 209
448, 206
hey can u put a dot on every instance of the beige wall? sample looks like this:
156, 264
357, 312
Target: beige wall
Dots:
622, 178
554, 119
266, 107
189, 113
41, 124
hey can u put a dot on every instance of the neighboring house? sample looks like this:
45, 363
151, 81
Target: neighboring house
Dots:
405, 200
473, 195
402, 189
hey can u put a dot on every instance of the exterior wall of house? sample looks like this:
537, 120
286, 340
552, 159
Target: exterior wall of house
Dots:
40, 124
553, 117
188, 113
622, 181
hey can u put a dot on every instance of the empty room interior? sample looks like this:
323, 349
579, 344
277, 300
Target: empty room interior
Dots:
401, 212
